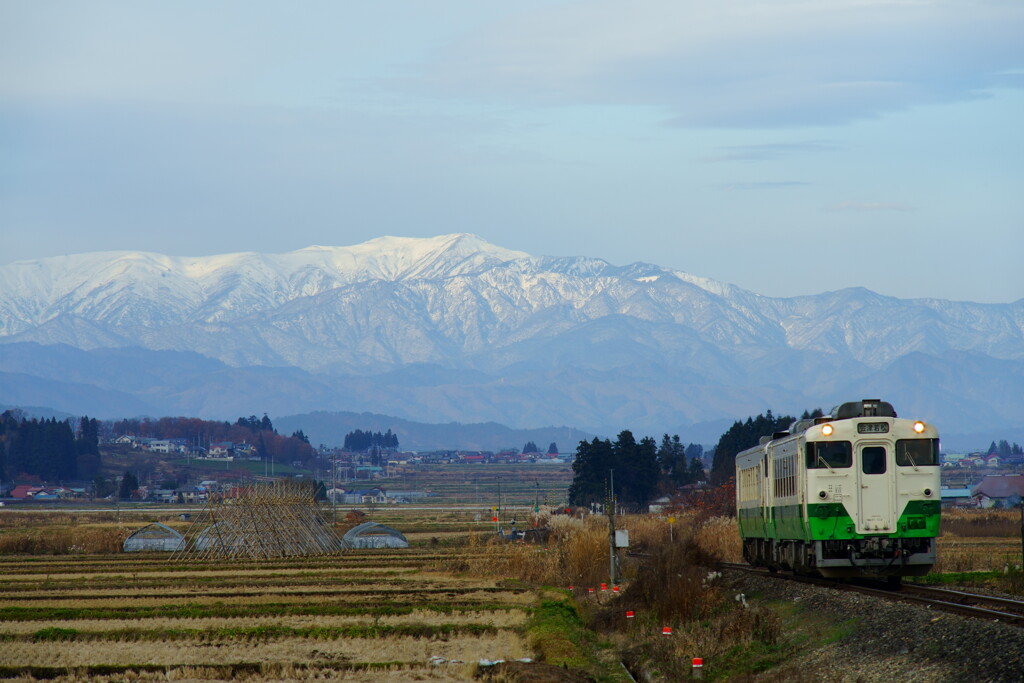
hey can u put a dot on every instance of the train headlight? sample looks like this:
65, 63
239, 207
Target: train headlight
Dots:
927, 492
826, 430
823, 495
918, 427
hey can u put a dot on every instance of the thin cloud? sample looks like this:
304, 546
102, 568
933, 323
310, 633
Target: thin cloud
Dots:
869, 206
737, 63
766, 185
769, 152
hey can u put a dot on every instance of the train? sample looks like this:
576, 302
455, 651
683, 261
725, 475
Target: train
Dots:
852, 494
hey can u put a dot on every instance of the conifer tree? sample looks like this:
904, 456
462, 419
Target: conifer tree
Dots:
741, 436
129, 483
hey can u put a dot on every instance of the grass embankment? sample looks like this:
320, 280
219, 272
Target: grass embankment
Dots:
674, 585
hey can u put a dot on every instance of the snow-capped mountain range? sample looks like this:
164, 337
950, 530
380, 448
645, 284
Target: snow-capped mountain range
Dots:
454, 328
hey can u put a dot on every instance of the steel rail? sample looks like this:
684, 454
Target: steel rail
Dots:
1004, 610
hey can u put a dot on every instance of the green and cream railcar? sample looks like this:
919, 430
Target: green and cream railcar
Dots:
854, 493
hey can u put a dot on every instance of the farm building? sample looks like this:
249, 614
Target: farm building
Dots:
154, 536
999, 490
374, 535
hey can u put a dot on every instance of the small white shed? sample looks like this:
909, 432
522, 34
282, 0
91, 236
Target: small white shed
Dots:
374, 535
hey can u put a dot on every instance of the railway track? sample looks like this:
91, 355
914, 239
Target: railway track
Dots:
993, 608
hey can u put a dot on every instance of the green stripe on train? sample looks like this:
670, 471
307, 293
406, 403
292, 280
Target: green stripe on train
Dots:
830, 521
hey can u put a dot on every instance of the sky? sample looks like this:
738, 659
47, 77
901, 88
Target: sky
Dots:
790, 148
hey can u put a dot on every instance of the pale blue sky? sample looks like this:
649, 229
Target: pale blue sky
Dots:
787, 147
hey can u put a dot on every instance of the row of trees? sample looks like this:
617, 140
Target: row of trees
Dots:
196, 430
362, 442
1004, 449
632, 464
49, 449
61, 450
639, 466
256, 424
744, 435
257, 431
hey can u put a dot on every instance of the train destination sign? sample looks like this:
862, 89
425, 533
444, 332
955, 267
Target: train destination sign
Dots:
872, 427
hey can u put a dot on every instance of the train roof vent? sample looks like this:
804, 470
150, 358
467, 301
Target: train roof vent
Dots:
868, 407
779, 435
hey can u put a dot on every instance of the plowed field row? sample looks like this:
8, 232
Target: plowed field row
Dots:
503, 616
130, 617
387, 561
298, 591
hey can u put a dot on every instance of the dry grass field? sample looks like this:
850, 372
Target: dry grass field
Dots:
140, 616
72, 608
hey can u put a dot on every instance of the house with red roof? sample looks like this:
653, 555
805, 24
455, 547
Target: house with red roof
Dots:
23, 491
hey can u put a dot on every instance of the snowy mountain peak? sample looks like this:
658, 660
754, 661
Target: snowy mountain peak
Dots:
576, 339
397, 258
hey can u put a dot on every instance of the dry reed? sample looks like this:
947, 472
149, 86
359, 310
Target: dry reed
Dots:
975, 523
64, 540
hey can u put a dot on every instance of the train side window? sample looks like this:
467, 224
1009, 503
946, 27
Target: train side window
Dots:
829, 454
917, 452
872, 460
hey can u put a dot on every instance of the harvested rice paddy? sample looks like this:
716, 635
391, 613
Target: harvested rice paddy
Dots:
383, 614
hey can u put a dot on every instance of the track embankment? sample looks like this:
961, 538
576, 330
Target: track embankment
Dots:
885, 636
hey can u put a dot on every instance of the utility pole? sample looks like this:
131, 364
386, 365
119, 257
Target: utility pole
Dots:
611, 527
1022, 533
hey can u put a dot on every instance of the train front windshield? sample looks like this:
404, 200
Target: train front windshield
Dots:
917, 452
829, 454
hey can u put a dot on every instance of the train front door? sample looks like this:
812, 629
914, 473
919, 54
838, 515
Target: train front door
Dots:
875, 509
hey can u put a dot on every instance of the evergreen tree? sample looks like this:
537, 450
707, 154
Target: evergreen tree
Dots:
672, 460
638, 464
696, 470
553, 449
530, 447
129, 483
101, 488
741, 436
695, 450
590, 472
43, 448
87, 446
635, 468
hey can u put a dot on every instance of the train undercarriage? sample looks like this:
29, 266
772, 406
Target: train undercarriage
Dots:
874, 557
